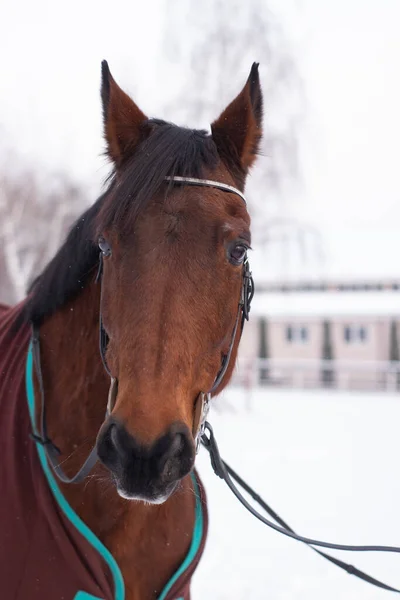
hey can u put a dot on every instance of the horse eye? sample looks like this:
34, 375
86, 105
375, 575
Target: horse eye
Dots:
104, 246
238, 254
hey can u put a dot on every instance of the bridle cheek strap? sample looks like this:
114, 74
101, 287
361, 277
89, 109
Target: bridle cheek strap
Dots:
202, 404
52, 452
246, 296
227, 357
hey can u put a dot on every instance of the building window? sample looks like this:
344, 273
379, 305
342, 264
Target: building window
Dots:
297, 334
355, 334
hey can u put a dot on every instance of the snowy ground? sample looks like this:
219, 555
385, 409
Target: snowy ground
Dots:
328, 464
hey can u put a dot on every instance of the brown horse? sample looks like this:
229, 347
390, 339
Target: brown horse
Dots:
173, 234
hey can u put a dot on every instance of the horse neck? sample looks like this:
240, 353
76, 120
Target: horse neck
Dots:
76, 388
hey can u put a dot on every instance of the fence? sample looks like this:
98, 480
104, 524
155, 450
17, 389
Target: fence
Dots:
303, 374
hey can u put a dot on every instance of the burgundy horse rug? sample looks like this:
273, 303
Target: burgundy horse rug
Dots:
46, 550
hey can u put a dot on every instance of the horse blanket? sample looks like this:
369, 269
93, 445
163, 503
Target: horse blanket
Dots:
46, 551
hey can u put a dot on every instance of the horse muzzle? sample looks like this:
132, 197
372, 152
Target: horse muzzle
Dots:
149, 473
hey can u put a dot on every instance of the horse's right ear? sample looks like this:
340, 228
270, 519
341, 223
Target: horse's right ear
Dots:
122, 119
237, 131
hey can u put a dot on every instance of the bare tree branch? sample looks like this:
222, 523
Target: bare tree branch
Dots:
34, 217
221, 42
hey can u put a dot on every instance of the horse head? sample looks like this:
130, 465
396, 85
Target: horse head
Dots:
173, 249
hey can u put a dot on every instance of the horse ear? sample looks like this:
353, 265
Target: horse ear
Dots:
237, 131
122, 119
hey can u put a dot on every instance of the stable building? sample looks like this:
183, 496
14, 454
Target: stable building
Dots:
343, 336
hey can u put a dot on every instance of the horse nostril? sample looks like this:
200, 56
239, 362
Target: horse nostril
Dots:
177, 459
113, 444
177, 445
115, 439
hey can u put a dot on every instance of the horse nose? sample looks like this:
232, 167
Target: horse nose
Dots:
167, 460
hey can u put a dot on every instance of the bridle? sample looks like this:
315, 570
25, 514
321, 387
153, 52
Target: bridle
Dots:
202, 402
202, 430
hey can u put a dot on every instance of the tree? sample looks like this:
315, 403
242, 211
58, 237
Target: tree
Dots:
214, 43
221, 41
34, 216
327, 373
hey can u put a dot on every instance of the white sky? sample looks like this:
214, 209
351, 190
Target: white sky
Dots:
349, 55
351, 171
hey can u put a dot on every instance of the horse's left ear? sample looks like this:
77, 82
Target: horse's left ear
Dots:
122, 119
237, 131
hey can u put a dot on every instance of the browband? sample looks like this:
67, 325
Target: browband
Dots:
209, 183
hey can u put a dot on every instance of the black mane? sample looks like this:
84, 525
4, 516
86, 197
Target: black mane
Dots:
166, 150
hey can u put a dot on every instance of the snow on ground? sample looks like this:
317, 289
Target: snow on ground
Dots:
328, 464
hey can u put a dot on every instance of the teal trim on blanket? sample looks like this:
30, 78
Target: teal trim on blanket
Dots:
119, 587
194, 546
86, 596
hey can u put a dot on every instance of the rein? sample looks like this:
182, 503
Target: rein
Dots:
225, 472
202, 430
